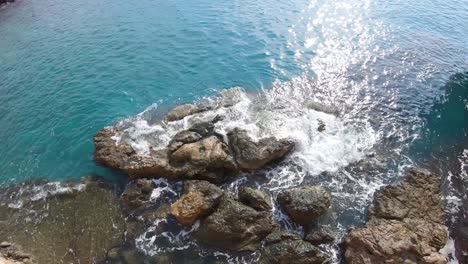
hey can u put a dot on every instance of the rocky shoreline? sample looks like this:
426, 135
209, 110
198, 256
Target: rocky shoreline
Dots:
405, 221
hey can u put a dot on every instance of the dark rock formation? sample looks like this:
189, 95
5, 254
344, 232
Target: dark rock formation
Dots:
136, 196
319, 237
235, 226
256, 199
196, 153
286, 247
208, 158
305, 204
251, 155
405, 224
200, 199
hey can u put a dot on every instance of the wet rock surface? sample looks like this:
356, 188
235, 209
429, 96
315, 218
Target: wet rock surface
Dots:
405, 224
305, 204
256, 199
286, 247
136, 195
319, 237
235, 226
196, 153
252, 155
73, 224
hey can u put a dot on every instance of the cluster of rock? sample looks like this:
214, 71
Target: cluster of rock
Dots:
405, 221
405, 225
242, 223
196, 153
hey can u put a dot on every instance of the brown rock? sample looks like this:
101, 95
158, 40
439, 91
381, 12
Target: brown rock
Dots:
188, 208
208, 158
200, 199
405, 224
108, 152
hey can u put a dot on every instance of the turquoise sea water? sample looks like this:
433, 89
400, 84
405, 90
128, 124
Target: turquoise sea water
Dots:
68, 68
395, 71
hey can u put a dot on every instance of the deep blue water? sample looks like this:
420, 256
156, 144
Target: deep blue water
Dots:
68, 68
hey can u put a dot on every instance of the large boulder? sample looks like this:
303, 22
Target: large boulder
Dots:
200, 199
188, 156
405, 224
256, 199
285, 247
305, 204
252, 155
235, 226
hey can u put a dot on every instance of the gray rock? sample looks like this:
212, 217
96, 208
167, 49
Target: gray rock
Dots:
286, 247
319, 237
305, 204
405, 224
186, 136
251, 155
181, 111
235, 226
204, 129
256, 199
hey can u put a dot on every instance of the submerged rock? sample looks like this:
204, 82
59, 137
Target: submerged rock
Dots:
200, 199
75, 225
256, 199
136, 195
251, 155
305, 204
405, 224
235, 226
286, 247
